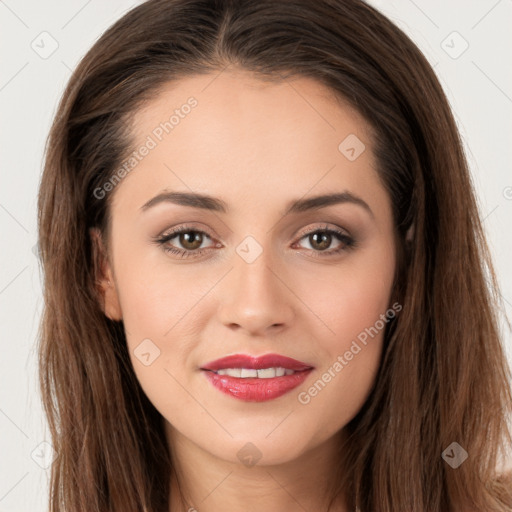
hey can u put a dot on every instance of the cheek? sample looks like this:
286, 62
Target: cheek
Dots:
158, 316
155, 294
353, 305
163, 306
352, 297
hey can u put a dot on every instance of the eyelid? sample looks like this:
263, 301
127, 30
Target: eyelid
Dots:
300, 235
183, 227
347, 241
172, 233
324, 227
343, 237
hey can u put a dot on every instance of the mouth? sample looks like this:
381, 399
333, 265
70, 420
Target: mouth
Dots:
256, 379
247, 373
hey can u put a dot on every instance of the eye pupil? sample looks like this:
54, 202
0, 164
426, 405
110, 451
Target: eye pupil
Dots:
189, 240
325, 241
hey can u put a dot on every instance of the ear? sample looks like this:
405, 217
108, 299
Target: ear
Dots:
104, 277
410, 234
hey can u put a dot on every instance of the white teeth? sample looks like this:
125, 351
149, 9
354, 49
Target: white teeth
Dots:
267, 373
231, 372
264, 373
248, 373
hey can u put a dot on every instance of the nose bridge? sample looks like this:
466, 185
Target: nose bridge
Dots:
255, 299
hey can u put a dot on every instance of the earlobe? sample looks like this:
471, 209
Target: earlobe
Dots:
103, 277
410, 234
111, 306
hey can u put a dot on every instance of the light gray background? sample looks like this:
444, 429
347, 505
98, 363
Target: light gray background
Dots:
478, 83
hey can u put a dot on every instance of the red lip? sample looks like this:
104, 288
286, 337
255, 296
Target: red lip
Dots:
256, 363
254, 389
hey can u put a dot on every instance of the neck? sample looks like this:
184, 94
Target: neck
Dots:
203, 482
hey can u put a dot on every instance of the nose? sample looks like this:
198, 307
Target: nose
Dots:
256, 297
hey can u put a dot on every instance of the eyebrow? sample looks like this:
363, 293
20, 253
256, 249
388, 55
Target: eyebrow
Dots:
215, 204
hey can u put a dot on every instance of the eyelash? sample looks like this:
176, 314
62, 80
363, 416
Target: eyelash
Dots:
348, 243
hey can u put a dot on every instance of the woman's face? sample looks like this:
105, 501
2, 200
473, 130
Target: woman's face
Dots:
261, 268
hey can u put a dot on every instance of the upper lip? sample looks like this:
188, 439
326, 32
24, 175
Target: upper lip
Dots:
256, 362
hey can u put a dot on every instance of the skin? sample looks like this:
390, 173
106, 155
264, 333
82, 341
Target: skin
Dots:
256, 146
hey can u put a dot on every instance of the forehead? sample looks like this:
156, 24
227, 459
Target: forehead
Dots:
299, 108
230, 128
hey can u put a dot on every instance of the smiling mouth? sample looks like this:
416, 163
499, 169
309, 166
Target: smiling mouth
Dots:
256, 378
246, 385
251, 373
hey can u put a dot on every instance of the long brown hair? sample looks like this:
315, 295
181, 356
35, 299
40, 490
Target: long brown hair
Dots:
443, 376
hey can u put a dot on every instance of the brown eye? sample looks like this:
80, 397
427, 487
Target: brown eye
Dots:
191, 240
187, 242
184, 242
320, 240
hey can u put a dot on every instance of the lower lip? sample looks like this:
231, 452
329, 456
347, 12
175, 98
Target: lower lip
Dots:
254, 389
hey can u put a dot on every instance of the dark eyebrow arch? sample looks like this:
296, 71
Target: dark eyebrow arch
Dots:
207, 202
194, 200
317, 202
